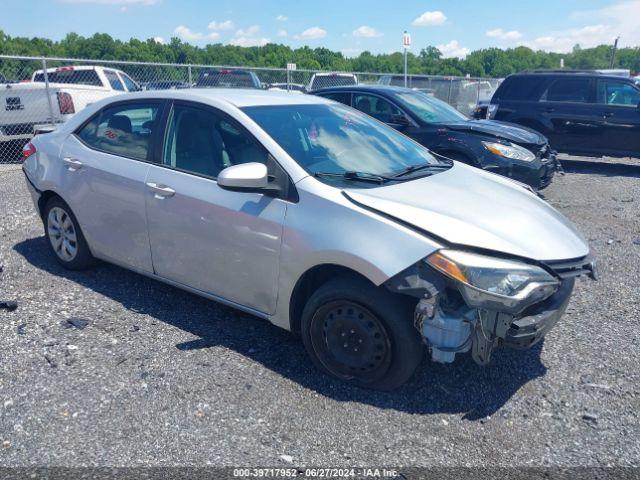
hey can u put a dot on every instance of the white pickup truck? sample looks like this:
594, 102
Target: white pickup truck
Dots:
28, 106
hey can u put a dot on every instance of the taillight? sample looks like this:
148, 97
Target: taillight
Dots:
28, 150
492, 109
65, 102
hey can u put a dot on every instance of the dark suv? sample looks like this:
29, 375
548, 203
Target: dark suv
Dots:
582, 113
510, 150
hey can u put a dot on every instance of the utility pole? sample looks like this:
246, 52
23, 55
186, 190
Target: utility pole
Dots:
613, 51
406, 43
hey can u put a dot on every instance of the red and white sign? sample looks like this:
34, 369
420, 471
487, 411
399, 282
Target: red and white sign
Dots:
406, 40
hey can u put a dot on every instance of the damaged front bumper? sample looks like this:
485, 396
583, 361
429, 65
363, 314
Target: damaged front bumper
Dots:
495, 328
450, 321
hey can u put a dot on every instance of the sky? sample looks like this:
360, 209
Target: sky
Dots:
350, 26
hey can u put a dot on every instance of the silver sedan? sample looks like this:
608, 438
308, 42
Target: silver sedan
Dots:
312, 215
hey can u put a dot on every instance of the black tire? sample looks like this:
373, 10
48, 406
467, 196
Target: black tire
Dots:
82, 258
374, 319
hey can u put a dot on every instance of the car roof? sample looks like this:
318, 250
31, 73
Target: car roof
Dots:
334, 74
239, 97
365, 88
570, 73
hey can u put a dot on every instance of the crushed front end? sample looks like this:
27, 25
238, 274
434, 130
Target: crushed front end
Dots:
472, 301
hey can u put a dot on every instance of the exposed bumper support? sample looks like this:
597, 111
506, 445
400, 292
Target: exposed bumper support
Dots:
496, 328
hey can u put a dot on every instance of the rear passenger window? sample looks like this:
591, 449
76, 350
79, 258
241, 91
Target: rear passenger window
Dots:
123, 130
521, 89
341, 97
568, 90
377, 107
69, 75
204, 142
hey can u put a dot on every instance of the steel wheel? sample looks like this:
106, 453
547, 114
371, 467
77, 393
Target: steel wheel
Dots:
350, 341
62, 234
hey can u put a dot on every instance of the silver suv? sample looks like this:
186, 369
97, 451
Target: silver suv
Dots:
312, 215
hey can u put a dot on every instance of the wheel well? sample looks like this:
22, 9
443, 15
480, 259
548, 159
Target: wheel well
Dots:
44, 199
308, 283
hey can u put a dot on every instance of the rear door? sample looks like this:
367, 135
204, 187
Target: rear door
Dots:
105, 167
567, 106
619, 102
222, 242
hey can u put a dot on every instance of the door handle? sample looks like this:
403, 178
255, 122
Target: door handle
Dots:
72, 164
608, 114
161, 191
550, 110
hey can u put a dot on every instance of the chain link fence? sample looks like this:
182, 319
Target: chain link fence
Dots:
37, 94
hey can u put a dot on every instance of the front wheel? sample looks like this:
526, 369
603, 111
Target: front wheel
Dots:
64, 236
361, 334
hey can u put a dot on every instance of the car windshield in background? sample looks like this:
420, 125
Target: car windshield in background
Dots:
337, 139
428, 108
77, 77
228, 79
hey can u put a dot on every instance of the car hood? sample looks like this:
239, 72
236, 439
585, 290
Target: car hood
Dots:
507, 131
469, 207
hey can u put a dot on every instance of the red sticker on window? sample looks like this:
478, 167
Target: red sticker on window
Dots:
110, 134
313, 132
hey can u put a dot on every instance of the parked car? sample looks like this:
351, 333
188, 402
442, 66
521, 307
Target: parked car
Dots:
331, 79
582, 113
461, 93
510, 150
26, 106
312, 215
228, 78
165, 85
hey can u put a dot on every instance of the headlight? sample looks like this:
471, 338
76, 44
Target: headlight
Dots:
516, 152
488, 282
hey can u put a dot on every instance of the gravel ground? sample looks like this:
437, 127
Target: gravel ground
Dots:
160, 377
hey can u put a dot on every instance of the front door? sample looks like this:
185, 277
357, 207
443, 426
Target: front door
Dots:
106, 164
568, 106
222, 242
619, 102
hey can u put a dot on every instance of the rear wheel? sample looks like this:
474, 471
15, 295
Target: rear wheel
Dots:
64, 236
361, 334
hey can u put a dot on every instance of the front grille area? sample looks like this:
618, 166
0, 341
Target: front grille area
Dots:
573, 268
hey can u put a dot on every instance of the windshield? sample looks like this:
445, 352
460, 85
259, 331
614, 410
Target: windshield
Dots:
337, 139
428, 108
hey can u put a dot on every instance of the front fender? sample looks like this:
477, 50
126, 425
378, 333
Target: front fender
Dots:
325, 227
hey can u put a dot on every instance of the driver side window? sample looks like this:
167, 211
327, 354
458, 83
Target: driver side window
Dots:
204, 142
377, 107
618, 93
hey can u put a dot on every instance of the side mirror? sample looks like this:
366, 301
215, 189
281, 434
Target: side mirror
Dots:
399, 121
245, 176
